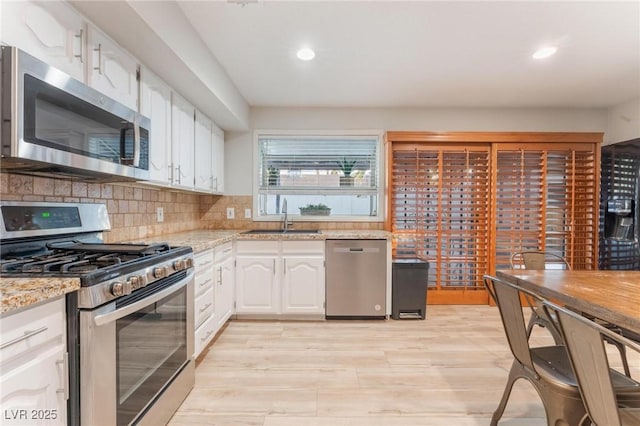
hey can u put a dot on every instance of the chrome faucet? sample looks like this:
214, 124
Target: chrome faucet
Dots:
285, 219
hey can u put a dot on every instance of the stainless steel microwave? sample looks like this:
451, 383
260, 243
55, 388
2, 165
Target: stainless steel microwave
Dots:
55, 125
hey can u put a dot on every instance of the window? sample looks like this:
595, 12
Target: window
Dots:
323, 177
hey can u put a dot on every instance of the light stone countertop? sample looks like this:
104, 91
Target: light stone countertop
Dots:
16, 293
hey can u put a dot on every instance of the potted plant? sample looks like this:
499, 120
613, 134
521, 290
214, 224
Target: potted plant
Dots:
315, 210
273, 176
346, 167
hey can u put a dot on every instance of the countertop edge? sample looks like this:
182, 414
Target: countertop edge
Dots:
18, 293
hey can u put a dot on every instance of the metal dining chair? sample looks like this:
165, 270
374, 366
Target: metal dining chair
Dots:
547, 368
538, 260
584, 341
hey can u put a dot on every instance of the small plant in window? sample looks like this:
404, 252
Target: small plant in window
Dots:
273, 176
346, 167
315, 210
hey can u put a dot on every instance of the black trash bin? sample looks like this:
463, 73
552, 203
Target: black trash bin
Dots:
409, 288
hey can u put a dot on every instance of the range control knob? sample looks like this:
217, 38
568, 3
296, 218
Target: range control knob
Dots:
134, 282
179, 265
117, 289
160, 272
142, 280
188, 262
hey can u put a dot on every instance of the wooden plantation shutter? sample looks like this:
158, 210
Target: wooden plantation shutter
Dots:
466, 201
439, 203
546, 199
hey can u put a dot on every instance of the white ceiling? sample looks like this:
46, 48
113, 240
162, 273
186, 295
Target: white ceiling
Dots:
425, 53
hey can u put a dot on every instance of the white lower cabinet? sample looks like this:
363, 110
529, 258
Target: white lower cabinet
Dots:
280, 277
225, 284
303, 285
214, 293
204, 300
34, 366
256, 289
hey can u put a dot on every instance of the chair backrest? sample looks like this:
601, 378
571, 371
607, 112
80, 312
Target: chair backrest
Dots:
538, 260
507, 298
584, 341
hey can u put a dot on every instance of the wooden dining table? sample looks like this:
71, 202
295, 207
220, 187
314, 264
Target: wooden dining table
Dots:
613, 296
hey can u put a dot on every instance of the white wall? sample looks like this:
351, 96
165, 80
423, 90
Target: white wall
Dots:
238, 145
623, 122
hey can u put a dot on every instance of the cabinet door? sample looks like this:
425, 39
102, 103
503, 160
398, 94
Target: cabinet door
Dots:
303, 284
256, 285
111, 70
34, 393
203, 159
217, 143
182, 141
224, 291
155, 103
51, 31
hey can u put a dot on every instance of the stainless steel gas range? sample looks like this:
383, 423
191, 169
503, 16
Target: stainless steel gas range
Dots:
130, 326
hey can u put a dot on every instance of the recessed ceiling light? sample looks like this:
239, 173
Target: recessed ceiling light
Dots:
306, 54
544, 52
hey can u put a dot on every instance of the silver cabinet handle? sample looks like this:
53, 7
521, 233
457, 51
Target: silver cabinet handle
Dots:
220, 275
99, 50
65, 377
178, 170
227, 250
274, 266
80, 35
206, 336
204, 283
205, 307
27, 334
284, 266
170, 172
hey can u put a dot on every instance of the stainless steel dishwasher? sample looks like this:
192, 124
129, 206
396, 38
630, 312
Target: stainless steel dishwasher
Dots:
356, 278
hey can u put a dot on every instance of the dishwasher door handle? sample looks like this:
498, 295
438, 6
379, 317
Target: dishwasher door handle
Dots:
356, 250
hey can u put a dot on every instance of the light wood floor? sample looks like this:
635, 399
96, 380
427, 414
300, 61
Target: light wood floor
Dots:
449, 369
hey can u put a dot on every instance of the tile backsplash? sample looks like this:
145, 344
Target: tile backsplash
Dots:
132, 207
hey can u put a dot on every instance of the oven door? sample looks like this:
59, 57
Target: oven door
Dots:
133, 350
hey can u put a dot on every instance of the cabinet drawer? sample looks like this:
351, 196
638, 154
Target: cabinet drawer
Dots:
223, 252
204, 335
303, 247
204, 282
27, 329
203, 260
257, 247
203, 307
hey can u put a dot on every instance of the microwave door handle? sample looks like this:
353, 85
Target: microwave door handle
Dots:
136, 144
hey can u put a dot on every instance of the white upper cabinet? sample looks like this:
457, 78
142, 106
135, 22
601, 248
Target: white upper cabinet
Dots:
203, 158
155, 103
51, 31
182, 141
111, 70
218, 159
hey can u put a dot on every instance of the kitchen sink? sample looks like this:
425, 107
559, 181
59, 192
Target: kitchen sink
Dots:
281, 231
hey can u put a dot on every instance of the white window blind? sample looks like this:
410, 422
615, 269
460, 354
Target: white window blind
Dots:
318, 162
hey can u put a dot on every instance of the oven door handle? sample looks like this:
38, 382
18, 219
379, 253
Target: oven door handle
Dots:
129, 309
